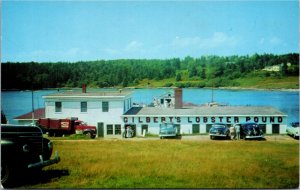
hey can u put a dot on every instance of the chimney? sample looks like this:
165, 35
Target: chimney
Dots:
178, 98
84, 88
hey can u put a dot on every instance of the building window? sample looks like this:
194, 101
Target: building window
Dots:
105, 107
109, 130
118, 129
57, 106
83, 107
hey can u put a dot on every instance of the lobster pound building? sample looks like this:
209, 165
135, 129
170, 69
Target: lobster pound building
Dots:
113, 111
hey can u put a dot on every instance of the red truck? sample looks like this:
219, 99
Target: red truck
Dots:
59, 127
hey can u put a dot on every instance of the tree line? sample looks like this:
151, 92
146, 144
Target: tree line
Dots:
130, 72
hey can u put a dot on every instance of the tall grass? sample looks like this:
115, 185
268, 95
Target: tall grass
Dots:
175, 164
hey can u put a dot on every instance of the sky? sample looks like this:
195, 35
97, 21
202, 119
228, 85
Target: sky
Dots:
53, 31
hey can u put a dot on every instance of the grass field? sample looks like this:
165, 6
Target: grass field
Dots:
269, 83
172, 164
291, 82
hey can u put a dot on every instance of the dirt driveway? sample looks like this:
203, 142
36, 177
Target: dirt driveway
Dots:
203, 138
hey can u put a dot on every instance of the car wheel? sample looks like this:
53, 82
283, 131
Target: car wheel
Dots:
6, 174
50, 134
88, 134
93, 136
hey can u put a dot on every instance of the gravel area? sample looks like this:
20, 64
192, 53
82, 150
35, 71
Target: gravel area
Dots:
203, 138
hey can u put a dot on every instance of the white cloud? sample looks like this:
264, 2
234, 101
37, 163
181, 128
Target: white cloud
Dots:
71, 54
262, 41
111, 51
275, 41
133, 46
217, 39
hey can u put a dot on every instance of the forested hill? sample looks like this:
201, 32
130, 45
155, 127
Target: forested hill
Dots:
187, 72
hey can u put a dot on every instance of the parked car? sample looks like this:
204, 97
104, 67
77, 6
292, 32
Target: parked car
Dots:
167, 130
250, 130
293, 129
23, 148
219, 130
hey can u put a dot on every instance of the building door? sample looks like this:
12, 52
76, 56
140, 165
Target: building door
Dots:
178, 128
196, 128
275, 128
144, 127
132, 128
263, 127
100, 130
208, 126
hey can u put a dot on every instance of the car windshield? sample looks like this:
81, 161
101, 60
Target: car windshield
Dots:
252, 126
218, 126
166, 126
80, 123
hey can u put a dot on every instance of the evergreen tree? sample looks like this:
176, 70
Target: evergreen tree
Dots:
178, 77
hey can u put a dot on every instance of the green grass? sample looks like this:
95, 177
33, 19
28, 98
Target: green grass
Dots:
269, 82
174, 164
69, 137
291, 82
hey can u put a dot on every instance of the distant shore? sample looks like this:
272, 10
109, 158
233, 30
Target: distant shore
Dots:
264, 89
133, 87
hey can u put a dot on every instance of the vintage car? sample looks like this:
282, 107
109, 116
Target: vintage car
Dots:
167, 130
293, 129
23, 148
219, 130
250, 130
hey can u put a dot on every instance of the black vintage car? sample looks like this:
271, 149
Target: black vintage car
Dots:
250, 130
219, 130
23, 148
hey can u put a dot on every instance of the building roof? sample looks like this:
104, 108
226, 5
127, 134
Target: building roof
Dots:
205, 111
38, 113
92, 94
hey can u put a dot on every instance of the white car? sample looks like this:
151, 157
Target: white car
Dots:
293, 129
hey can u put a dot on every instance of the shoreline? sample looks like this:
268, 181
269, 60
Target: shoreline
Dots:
133, 87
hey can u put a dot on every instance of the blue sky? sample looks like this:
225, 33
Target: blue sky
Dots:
51, 31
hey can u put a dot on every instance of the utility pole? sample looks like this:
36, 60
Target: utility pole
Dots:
32, 104
212, 92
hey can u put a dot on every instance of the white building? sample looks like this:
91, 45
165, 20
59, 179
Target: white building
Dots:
112, 112
102, 109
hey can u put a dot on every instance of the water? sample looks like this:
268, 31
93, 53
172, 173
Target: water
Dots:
16, 103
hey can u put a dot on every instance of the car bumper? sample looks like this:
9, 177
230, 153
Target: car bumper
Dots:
167, 135
218, 135
254, 137
43, 163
